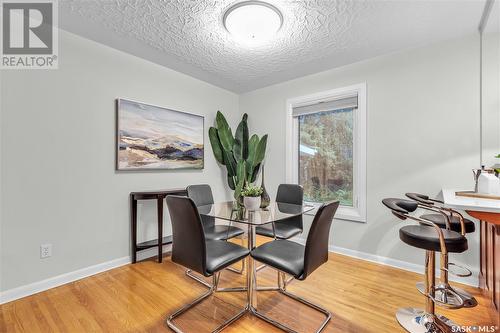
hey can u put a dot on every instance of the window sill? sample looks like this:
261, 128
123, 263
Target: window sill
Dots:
343, 213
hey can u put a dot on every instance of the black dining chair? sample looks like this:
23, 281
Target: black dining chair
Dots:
290, 227
191, 249
287, 228
202, 196
299, 261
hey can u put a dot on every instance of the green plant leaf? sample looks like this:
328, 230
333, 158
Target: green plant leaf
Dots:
213, 135
240, 147
252, 149
255, 172
225, 133
230, 182
241, 172
239, 187
230, 163
241, 176
260, 153
249, 169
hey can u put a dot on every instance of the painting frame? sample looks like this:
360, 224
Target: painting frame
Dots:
118, 126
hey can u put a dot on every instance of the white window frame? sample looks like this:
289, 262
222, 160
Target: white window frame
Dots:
358, 211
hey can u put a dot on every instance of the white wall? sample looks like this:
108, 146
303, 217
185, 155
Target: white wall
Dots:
491, 96
58, 178
423, 134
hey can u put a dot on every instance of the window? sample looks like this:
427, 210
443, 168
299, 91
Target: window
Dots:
326, 140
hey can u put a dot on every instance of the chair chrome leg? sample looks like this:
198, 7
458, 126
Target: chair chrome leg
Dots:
261, 267
230, 320
242, 269
238, 271
197, 278
282, 289
208, 285
198, 300
286, 281
183, 309
282, 281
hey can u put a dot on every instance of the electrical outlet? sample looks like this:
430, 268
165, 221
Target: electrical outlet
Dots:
45, 251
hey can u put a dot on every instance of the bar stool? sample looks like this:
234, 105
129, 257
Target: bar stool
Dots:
430, 237
192, 250
201, 196
449, 219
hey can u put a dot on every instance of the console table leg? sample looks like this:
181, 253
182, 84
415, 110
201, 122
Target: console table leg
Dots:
160, 228
133, 216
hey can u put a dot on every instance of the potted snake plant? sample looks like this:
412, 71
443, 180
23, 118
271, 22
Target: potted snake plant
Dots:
251, 197
242, 154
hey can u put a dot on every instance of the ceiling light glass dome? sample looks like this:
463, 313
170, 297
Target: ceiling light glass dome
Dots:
253, 22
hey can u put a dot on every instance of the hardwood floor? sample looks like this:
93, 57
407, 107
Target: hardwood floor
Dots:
362, 296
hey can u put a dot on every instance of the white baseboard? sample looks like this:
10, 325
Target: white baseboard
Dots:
56, 281
472, 280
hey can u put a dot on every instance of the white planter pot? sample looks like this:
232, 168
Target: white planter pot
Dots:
251, 203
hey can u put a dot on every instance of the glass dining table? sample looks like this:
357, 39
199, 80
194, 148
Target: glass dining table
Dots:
275, 212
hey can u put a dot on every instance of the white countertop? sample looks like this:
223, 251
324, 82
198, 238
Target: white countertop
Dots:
466, 203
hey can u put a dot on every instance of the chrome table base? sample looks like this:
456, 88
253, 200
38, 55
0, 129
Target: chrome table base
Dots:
418, 321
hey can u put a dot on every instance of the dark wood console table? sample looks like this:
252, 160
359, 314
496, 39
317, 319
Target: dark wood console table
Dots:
159, 196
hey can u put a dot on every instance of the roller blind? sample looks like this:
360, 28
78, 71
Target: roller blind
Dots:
336, 104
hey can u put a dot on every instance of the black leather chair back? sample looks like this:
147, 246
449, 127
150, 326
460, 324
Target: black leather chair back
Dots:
200, 194
316, 252
290, 193
188, 243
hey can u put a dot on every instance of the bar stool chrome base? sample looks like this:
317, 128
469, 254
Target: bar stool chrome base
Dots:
416, 320
451, 300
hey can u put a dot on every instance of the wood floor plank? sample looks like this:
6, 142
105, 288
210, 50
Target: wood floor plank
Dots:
362, 296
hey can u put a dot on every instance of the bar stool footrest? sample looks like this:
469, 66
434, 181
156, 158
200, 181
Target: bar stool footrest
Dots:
467, 271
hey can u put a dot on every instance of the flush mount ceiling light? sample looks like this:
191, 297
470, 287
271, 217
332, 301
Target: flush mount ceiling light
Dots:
252, 22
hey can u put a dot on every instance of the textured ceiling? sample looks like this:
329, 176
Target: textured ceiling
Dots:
188, 36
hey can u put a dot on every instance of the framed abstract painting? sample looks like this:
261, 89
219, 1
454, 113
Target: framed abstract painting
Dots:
151, 137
